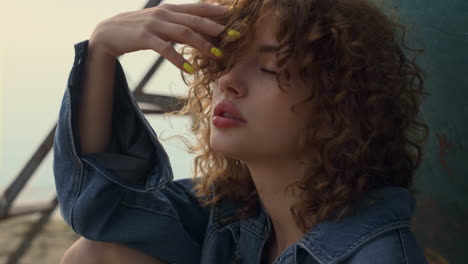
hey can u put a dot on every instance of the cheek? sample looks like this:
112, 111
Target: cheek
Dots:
278, 132
279, 121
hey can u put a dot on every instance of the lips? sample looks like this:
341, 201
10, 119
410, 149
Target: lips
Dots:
228, 110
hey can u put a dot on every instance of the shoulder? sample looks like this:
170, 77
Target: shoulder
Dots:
396, 246
378, 231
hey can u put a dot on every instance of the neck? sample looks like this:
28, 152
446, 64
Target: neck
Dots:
270, 181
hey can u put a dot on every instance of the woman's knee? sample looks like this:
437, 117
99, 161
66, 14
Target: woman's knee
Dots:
83, 251
90, 252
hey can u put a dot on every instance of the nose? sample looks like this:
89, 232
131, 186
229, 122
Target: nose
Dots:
233, 82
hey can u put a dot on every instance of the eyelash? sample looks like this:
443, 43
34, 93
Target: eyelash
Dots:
267, 71
262, 69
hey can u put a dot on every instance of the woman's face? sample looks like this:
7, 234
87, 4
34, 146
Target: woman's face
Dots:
271, 130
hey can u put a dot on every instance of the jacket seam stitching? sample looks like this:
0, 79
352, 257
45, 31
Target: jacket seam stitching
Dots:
234, 235
206, 238
148, 210
214, 219
380, 231
166, 215
80, 169
403, 246
319, 260
252, 232
77, 191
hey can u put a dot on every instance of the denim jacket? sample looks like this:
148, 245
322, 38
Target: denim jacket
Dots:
126, 194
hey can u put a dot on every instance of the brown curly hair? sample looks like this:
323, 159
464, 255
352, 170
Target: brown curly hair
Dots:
366, 89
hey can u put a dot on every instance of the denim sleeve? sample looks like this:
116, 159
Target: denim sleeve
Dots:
125, 194
398, 246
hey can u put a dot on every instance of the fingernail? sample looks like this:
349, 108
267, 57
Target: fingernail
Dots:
188, 67
233, 33
217, 52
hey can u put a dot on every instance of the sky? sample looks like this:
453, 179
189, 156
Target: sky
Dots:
36, 55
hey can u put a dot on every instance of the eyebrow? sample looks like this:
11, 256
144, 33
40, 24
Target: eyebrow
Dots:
267, 48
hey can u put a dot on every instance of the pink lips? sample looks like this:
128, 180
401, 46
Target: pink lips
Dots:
233, 118
229, 108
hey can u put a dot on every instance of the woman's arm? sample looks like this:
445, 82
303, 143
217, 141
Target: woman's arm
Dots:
119, 186
126, 194
150, 28
95, 109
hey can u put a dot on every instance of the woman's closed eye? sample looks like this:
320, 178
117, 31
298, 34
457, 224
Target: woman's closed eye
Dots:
268, 71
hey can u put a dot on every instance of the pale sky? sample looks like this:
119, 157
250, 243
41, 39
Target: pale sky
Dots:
36, 55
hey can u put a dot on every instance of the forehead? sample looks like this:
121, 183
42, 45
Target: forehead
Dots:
265, 29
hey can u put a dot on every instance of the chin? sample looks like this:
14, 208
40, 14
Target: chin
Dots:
226, 147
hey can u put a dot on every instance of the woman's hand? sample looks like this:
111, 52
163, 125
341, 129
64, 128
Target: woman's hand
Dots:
153, 29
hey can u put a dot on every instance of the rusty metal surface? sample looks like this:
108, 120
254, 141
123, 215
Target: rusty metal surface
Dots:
441, 217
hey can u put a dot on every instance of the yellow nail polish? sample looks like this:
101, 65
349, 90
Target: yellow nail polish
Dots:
217, 52
188, 67
233, 33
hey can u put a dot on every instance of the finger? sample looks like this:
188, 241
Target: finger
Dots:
185, 35
167, 51
198, 9
199, 24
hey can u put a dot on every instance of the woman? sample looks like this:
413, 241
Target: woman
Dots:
305, 114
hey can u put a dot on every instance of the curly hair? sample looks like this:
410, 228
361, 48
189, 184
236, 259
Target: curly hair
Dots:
367, 90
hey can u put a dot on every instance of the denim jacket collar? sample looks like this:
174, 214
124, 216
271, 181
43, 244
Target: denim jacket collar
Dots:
333, 241
223, 214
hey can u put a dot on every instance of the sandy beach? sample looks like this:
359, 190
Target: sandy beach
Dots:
48, 247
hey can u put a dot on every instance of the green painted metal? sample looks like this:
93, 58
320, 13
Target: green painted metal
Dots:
441, 217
